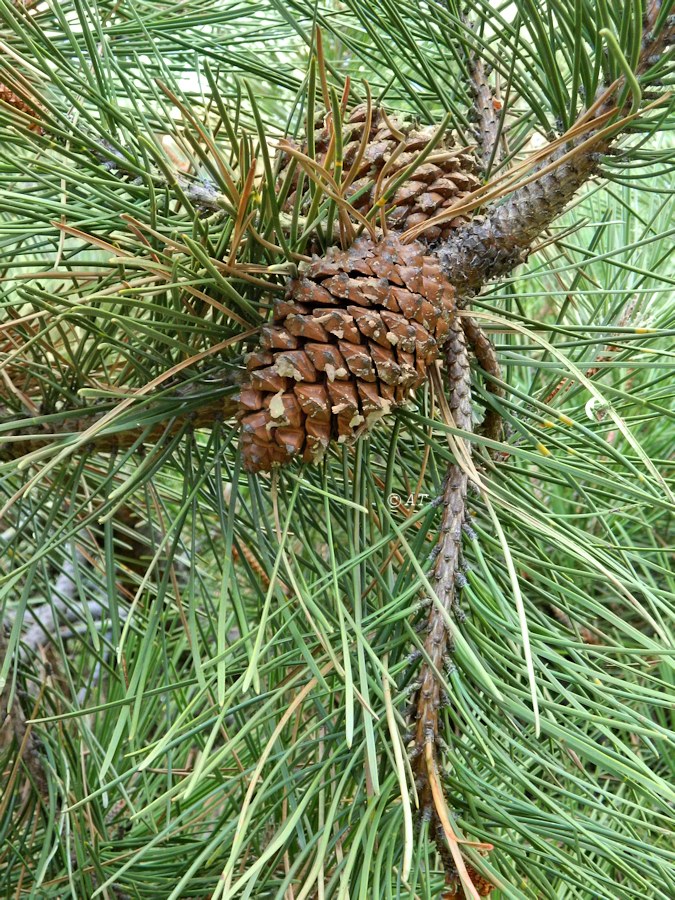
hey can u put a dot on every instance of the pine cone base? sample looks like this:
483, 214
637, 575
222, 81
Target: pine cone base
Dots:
350, 341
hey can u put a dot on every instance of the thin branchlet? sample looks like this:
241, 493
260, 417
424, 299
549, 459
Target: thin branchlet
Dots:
486, 356
492, 244
485, 111
23, 439
431, 696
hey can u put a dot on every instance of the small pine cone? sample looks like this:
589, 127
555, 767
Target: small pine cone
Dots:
352, 338
8, 96
444, 179
482, 885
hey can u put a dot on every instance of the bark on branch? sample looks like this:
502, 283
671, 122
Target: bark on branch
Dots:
21, 441
429, 697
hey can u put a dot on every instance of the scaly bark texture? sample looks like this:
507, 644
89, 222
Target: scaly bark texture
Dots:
486, 112
429, 697
491, 245
486, 356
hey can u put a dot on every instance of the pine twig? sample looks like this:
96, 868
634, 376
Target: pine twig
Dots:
487, 129
486, 105
25, 439
488, 247
429, 697
201, 193
485, 354
493, 244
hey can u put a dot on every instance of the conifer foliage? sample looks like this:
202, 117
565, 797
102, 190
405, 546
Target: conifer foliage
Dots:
336, 449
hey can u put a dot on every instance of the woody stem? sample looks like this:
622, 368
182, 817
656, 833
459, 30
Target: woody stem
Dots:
491, 245
429, 697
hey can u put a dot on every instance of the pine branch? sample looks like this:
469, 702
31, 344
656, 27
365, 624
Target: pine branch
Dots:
481, 346
29, 438
14, 728
493, 244
487, 129
201, 192
430, 698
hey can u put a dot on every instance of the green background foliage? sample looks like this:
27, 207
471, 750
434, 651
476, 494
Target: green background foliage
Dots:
220, 684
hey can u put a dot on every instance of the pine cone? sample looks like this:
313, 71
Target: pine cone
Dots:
8, 96
348, 343
482, 885
448, 175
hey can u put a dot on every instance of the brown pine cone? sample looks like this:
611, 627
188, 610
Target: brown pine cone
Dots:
482, 885
448, 175
8, 96
348, 343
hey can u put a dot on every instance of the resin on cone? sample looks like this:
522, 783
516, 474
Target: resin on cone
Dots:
350, 341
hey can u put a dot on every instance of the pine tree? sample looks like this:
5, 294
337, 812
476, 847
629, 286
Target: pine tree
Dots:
336, 449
